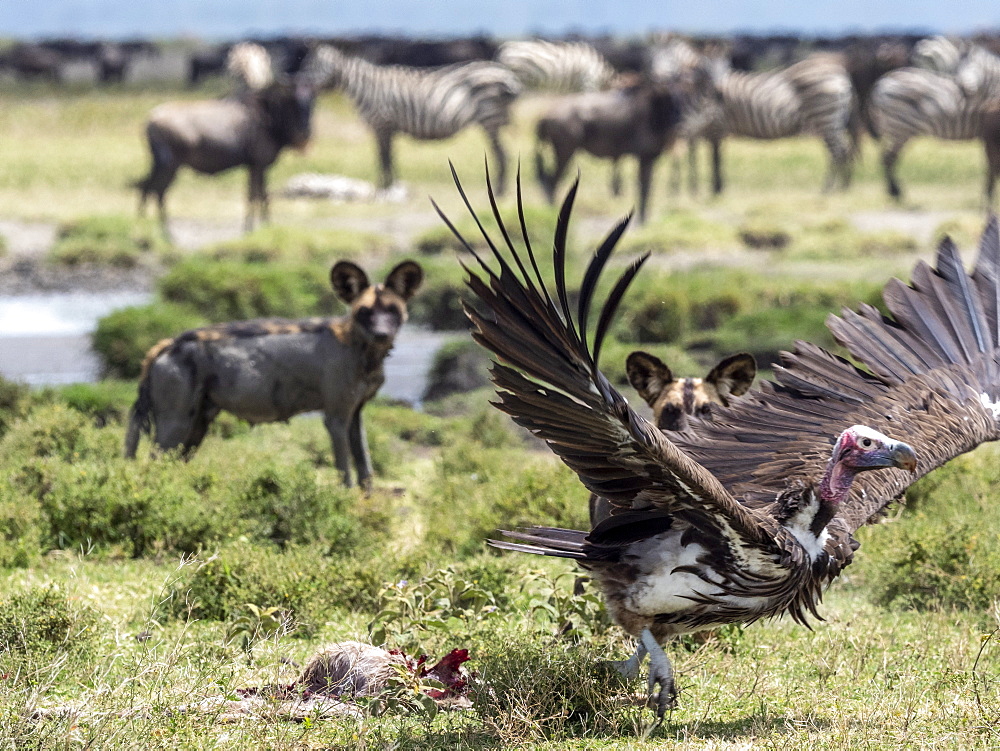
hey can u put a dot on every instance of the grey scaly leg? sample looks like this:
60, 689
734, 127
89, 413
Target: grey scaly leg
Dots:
660, 672
629, 668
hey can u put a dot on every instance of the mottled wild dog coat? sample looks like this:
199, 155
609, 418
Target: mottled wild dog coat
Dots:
272, 369
673, 400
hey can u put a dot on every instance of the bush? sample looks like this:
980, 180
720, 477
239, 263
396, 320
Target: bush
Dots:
458, 366
286, 505
104, 401
15, 398
21, 526
123, 337
438, 303
230, 290
51, 430
276, 243
301, 580
112, 240
45, 620
535, 688
944, 550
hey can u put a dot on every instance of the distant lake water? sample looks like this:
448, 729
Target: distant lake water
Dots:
45, 340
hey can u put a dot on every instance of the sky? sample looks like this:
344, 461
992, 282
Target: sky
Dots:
503, 18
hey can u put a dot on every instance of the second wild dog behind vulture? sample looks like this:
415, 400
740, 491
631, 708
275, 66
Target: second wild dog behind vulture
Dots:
753, 515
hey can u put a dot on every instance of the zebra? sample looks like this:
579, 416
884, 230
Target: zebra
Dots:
250, 65
564, 67
811, 96
913, 101
978, 73
940, 54
426, 104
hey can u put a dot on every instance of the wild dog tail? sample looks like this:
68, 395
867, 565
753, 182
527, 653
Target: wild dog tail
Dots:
140, 419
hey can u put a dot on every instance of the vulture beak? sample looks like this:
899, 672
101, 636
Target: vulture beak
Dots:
903, 457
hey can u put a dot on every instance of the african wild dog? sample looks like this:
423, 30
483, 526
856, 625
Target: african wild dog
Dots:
271, 369
674, 399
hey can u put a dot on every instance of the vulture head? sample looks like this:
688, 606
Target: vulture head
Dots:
858, 449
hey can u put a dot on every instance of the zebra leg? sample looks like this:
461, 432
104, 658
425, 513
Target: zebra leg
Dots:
889, 157
645, 175
616, 177
255, 197
992, 143
692, 149
385, 159
717, 166
499, 161
839, 172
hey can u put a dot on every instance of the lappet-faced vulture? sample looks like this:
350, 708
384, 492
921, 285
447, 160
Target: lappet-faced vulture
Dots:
751, 515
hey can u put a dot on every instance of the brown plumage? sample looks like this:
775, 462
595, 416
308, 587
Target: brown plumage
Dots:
751, 515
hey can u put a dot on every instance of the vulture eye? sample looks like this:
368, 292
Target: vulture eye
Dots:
866, 443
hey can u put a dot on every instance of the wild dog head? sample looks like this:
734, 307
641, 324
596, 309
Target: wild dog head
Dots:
377, 311
674, 399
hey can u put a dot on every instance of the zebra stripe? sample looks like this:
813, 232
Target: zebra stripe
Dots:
978, 73
939, 54
912, 101
812, 96
426, 104
564, 67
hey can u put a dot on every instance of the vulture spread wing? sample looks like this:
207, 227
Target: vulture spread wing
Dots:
932, 379
548, 381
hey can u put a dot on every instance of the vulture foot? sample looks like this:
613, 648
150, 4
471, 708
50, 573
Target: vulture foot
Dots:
629, 669
660, 672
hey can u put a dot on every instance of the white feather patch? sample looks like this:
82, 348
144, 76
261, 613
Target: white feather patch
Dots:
990, 405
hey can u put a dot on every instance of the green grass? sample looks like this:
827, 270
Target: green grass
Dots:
98, 551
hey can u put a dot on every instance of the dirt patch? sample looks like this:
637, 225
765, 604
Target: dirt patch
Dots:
921, 225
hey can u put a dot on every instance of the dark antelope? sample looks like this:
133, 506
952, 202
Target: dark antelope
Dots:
217, 135
641, 120
673, 400
272, 369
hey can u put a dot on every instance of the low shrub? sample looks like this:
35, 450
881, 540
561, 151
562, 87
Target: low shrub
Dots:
944, 550
45, 620
438, 303
15, 398
475, 493
231, 290
21, 526
104, 401
123, 337
111, 240
51, 430
301, 580
281, 243
458, 366
532, 688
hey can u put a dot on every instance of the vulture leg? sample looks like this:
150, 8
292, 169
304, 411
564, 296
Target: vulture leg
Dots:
629, 668
660, 672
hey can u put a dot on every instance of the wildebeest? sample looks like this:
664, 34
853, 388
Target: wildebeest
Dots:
673, 400
639, 119
269, 370
217, 135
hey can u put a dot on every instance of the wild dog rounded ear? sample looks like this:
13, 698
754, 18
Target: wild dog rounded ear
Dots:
734, 375
405, 278
349, 280
648, 375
